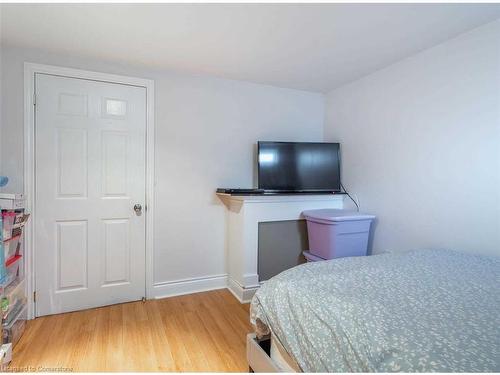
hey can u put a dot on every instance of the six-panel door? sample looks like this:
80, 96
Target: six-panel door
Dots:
90, 172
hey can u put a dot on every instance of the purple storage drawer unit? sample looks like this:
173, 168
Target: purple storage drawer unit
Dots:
337, 233
311, 258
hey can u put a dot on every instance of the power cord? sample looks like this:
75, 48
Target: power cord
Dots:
349, 195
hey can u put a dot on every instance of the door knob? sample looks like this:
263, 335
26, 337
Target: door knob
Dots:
138, 209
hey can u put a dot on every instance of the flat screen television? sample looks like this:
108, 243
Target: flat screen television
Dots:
299, 166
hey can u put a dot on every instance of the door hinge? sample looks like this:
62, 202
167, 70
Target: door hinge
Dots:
34, 297
34, 99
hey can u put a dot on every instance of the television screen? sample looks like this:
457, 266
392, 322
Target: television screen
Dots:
292, 166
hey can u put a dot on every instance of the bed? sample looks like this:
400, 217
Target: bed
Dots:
417, 311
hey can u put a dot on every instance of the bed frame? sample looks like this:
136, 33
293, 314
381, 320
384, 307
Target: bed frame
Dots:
259, 355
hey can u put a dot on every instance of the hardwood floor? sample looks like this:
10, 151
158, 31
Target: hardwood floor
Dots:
196, 332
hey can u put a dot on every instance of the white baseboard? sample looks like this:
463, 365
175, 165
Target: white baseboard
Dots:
188, 286
244, 295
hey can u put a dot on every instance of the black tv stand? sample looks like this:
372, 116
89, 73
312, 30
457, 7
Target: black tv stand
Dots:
238, 191
303, 192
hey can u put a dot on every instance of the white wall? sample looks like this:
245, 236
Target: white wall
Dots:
206, 129
421, 145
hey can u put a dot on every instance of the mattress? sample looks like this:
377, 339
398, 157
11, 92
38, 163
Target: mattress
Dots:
418, 311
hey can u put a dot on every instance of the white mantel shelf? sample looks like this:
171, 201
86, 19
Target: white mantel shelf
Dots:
245, 212
260, 198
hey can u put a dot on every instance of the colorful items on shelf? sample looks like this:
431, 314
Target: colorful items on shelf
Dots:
3, 270
12, 223
13, 331
13, 300
11, 267
11, 201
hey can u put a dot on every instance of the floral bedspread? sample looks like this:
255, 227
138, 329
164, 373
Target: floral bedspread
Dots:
418, 311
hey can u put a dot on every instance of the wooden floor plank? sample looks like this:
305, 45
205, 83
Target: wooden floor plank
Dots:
197, 332
160, 342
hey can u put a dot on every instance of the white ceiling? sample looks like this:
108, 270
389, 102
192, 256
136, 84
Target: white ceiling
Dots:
306, 46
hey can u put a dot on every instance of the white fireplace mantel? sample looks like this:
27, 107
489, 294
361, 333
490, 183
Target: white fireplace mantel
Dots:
244, 213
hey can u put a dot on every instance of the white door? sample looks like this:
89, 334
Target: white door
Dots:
90, 173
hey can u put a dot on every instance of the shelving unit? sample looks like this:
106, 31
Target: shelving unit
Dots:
13, 299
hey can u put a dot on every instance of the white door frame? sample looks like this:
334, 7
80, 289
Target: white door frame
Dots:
30, 70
